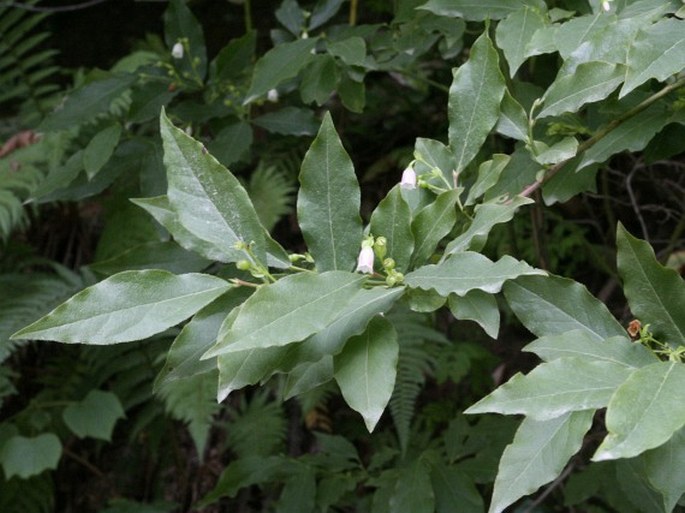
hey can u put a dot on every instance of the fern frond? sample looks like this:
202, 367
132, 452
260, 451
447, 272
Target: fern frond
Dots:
33, 295
33, 495
193, 400
257, 427
416, 362
272, 193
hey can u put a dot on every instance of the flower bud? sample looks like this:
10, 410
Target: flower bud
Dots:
408, 178
365, 260
380, 247
272, 95
606, 6
388, 264
177, 51
243, 265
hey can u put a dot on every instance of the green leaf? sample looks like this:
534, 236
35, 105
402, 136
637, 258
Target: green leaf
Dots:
486, 216
234, 58
366, 370
26, 457
131, 305
95, 416
569, 182
319, 80
468, 271
473, 10
87, 101
164, 255
289, 310
572, 34
179, 23
100, 149
632, 135
291, 16
197, 336
588, 83
413, 490
519, 173
392, 220
645, 411
665, 468
247, 367
328, 202
307, 376
558, 152
657, 52
555, 388
288, 121
656, 294
232, 143
436, 156
580, 344
488, 174
352, 51
432, 223
513, 119
554, 305
352, 93
474, 98
537, 455
477, 306
454, 490
515, 32
210, 202
278, 65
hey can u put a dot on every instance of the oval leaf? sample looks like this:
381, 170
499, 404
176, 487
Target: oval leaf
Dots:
392, 220
26, 457
131, 305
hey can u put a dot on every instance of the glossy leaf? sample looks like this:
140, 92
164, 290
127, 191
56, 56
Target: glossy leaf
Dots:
328, 202
474, 98
473, 10
477, 306
95, 416
656, 294
131, 305
538, 454
572, 34
657, 52
555, 388
468, 271
366, 370
278, 65
392, 220
433, 223
210, 202
515, 32
25, 457
590, 82
580, 344
100, 149
289, 310
554, 305
645, 412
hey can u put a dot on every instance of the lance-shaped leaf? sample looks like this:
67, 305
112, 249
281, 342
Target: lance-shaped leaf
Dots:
197, 336
131, 305
581, 344
589, 82
477, 306
657, 52
278, 65
474, 10
247, 367
645, 411
100, 149
433, 223
366, 370
488, 174
307, 376
486, 215
513, 119
576, 31
538, 454
95, 416
555, 388
287, 311
468, 271
392, 220
474, 98
656, 294
515, 32
210, 202
328, 202
553, 305
435, 155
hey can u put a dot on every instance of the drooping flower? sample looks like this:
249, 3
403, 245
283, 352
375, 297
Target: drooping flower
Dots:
177, 51
606, 6
365, 260
272, 95
408, 178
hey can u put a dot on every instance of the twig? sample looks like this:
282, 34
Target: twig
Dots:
555, 484
83, 462
633, 203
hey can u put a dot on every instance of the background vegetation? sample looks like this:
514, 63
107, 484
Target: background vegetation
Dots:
577, 105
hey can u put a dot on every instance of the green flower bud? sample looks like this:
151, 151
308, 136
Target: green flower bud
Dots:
380, 247
243, 265
388, 264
